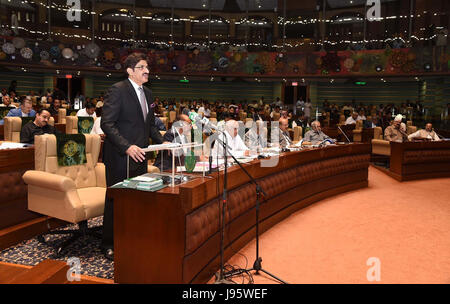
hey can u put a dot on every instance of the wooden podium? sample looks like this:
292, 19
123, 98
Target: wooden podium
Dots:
173, 235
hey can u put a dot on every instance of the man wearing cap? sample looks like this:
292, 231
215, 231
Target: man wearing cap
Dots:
396, 131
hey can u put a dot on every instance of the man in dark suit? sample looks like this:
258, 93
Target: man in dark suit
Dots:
128, 122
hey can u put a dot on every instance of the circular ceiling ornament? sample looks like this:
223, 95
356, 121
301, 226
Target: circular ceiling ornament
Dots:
223, 62
3, 55
118, 66
44, 55
8, 48
54, 51
26, 53
92, 50
67, 53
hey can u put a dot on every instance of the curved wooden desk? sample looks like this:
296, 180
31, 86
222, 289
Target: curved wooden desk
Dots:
173, 235
418, 160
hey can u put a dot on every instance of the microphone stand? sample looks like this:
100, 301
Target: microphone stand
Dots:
220, 279
339, 127
257, 264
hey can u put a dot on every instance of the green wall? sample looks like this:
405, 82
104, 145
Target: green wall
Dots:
25, 81
209, 90
374, 92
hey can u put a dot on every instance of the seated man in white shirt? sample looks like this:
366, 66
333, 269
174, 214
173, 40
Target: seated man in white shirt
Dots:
236, 145
88, 111
361, 115
256, 138
221, 124
428, 133
207, 112
201, 110
352, 119
96, 129
176, 134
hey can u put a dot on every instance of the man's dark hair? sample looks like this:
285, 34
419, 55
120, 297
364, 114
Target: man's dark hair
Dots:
42, 110
133, 59
89, 105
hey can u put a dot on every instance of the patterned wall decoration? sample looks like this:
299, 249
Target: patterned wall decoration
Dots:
229, 60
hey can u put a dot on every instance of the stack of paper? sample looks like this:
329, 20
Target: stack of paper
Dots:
141, 183
13, 145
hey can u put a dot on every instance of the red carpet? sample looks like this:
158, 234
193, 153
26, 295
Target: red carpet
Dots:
405, 225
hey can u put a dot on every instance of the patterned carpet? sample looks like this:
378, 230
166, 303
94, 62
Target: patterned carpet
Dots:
87, 249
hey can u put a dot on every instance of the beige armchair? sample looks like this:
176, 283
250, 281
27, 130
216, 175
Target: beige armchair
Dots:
172, 116
377, 133
73, 194
298, 131
13, 126
71, 124
357, 131
411, 129
62, 115
381, 147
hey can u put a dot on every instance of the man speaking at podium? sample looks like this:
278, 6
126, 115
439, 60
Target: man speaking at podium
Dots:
128, 122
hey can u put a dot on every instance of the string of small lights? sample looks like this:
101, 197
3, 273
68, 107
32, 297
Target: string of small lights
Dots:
280, 21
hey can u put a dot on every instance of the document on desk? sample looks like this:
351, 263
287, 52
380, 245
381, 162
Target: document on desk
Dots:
143, 183
13, 145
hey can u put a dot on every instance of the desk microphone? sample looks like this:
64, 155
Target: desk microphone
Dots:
205, 122
440, 136
339, 127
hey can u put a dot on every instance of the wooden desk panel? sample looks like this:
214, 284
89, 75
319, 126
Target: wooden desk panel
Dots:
172, 236
13, 191
17, 223
417, 160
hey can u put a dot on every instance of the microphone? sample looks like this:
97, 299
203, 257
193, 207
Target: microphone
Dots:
439, 136
339, 127
300, 143
209, 126
205, 122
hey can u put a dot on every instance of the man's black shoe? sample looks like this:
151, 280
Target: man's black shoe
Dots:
109, 254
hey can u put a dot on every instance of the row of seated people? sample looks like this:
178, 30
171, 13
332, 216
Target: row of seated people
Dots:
400, 132
77, 194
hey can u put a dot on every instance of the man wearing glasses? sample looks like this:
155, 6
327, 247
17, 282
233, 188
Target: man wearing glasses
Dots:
128, 122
